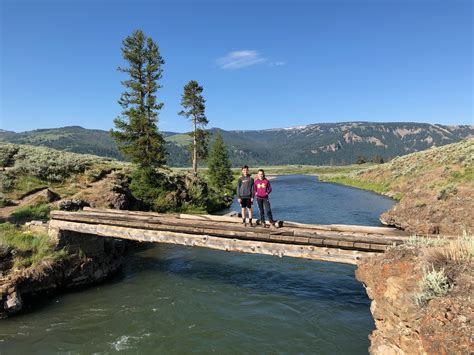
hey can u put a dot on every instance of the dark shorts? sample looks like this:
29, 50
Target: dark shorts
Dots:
246, 202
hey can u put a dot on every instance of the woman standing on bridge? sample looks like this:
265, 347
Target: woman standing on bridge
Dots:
262, 189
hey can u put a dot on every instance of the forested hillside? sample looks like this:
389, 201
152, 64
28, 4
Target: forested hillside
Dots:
315, 144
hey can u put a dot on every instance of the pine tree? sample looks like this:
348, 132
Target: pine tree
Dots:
220, 173
377, 159
194, 109
137, 134
361, 159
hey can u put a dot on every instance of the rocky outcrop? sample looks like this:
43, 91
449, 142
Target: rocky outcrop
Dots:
402, 327
91, 259
73, 204
111, 191
425, 212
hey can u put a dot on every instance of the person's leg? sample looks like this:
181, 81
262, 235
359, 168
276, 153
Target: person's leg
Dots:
268, 209
261, 210
243, 214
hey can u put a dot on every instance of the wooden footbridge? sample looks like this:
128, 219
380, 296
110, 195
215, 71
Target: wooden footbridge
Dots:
337, 243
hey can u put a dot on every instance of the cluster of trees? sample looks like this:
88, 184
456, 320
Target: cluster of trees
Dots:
377, 159
137, 134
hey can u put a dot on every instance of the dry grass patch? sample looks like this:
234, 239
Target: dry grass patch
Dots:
445, 259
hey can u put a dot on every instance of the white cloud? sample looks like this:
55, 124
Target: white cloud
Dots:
240, 59
277, 64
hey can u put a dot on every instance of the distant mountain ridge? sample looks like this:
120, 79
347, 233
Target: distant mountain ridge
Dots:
313, 144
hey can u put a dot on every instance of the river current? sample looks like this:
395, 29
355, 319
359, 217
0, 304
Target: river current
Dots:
174, 299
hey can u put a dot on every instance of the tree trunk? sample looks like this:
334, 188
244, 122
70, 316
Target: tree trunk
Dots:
194, 149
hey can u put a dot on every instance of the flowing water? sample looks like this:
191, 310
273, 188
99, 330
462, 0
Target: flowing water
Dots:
173, 299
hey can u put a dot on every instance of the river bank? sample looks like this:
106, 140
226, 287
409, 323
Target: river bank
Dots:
435, 189
421, 297
71, 263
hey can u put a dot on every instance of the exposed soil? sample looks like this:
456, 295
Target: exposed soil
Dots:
444, 326
42, 194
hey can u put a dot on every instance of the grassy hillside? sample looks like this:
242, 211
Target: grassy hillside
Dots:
81, 140
435, 188
26, 168
32, 178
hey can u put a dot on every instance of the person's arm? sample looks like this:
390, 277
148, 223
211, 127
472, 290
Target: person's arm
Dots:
252, 186
269, 187
239, 183
254, 189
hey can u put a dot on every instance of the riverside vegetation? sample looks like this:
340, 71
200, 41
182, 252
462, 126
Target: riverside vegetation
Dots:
435, 188
422, 290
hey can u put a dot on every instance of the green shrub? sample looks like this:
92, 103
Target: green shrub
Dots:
7, 181
151, 188
45, 163
7, 153
433, 284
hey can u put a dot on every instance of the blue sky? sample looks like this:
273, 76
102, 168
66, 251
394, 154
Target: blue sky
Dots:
263, 64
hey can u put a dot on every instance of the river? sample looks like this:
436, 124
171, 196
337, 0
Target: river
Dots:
173, 299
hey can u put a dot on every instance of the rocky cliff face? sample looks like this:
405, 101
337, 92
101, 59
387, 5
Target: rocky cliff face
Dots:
443, 326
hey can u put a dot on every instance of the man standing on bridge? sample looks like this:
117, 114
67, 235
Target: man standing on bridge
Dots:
245, 194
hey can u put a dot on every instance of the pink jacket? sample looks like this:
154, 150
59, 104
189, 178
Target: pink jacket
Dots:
262, 188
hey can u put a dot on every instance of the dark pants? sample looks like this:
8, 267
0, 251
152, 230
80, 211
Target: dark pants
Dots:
264, 206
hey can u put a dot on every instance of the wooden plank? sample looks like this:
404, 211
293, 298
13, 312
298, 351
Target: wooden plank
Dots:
171, 219
349, 228
327, 227
146, 221
349, 237
206, 217
321, 242
235, 245
164, 219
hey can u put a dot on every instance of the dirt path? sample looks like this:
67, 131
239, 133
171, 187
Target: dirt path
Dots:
6, 212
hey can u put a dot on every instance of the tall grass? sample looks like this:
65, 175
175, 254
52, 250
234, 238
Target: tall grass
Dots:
30, 248
31, 212
444, 256
458, 250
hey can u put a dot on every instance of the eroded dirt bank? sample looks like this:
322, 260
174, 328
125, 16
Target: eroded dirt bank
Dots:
394, 279
90, 260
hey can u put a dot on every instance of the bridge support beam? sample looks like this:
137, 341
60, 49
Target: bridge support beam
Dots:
206, 241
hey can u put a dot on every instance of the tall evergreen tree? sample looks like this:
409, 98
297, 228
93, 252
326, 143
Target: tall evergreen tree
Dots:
194, 109
220, 173
137, 134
